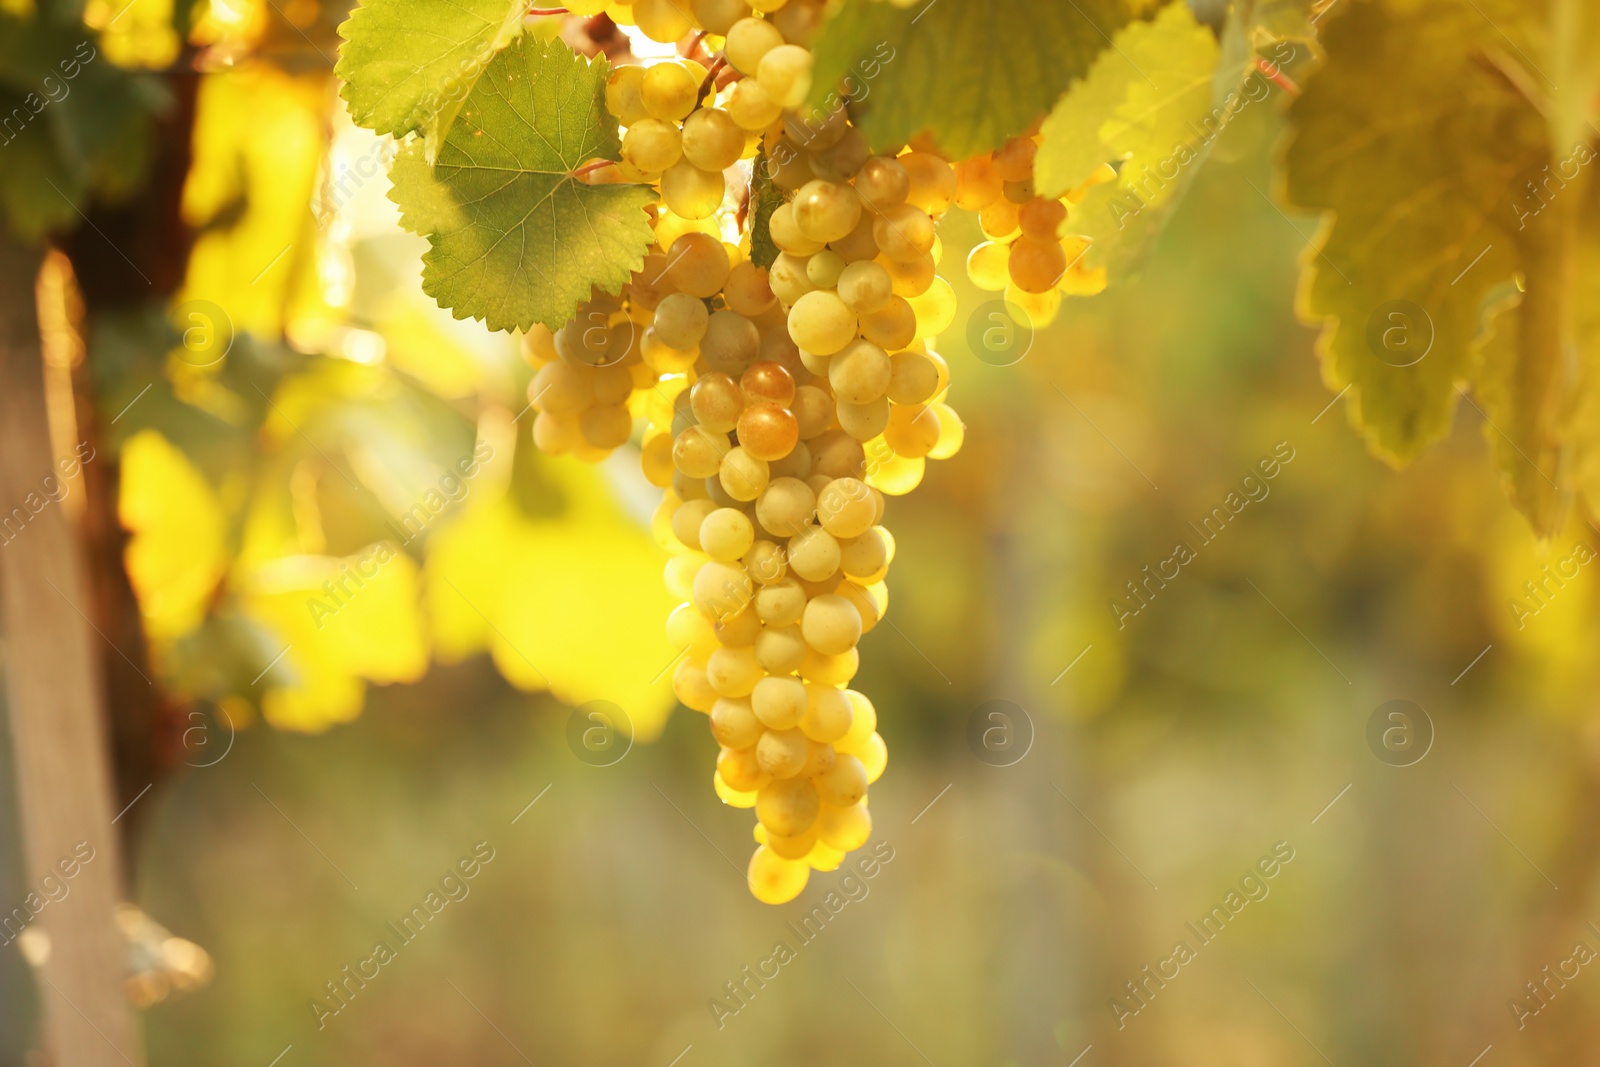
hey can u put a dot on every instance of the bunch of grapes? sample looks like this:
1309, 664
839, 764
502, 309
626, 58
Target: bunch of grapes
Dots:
1030, 255
782, 403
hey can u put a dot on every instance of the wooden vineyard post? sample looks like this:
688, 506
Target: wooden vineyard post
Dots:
55, 703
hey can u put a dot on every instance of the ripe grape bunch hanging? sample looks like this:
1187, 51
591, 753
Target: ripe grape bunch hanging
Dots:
776, 343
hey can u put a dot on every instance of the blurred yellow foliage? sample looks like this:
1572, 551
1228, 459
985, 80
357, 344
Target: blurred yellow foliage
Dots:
344, 622
137, 34
258, 141
178, 551
573, 604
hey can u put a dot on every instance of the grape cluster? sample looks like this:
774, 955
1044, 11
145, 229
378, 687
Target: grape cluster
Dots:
782, 404
789, 421
1029, 255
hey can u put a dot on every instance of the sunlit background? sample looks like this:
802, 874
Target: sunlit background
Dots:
1172, 749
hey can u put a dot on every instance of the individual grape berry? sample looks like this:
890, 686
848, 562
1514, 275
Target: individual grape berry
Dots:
717, 402
820, 322
785, 73
827, 716
789, 806
731, 342
1041, 218
864, 286
813, 554
788, 235
698, 265
1036, 266
718, 16
780, 649
742, 475
698, 453
846, 784
846, 508
768, 380
624, 97
864, 421
734, 724
780, 603
786, 507
931, 182
977, 183
768, 431
731, 670
712, 141
1014, 161
722, 589
661, 20
691, 192
913, 378
826, 211
823, 268
864, 556
831, 624
845, 829
883, 183
904, 233
750, 107
680, 320
747, 291
860, 372
813, 411
773, 879
726, 534
779, 702
913, 430
670, 91
748, 42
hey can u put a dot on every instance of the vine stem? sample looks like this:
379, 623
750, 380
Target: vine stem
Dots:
1277, 76
711, 78
547, 11
596, 165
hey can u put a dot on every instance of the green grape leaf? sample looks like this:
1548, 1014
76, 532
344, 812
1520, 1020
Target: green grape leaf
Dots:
971, 73
1413, 140
764, 200
407, 65
516, 238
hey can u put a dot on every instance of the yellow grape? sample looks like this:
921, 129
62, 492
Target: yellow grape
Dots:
661, 20
935, 308
775, 880
987, 266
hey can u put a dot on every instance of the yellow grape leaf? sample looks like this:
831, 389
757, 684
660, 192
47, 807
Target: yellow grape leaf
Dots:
343, 622
1522, 378
1582, 425
178, 550
1147, 105
572, 604
1412, 136
1136, 104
